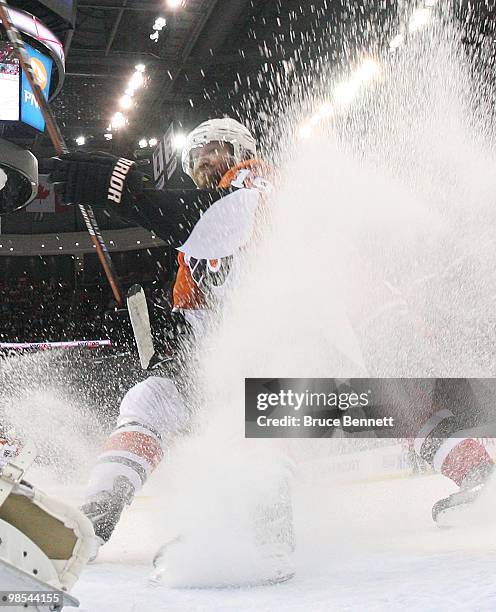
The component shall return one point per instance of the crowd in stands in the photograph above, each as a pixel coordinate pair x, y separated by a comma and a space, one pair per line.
9, 64
55, 311
50, 311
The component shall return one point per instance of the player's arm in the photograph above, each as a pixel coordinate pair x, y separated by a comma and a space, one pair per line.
172, 213
115, 184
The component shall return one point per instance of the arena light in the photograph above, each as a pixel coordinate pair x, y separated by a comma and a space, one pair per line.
345, 93
419, 19
160, 23
143, 143
153, 142
305, 131
108, 136
118, 121
174, 4
368, 70
136, 81
179, 141
80, 141
140, 68
126, 102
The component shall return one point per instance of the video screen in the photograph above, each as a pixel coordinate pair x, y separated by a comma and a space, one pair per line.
9, 83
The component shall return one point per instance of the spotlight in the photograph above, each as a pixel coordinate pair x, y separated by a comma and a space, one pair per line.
143, 143
140, 67
368, 70
159, 24
174, 4
419, 18
305, 131
118, 121
80, 141
153, 142
344, 93
179, 141
108, 136
126, 102
136, 81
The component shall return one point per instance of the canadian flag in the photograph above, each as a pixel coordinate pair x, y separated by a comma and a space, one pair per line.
47, 201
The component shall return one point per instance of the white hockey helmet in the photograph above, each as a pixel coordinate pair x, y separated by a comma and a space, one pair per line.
220, 130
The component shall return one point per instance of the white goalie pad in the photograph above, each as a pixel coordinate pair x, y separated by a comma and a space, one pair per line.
43, 542
19, 577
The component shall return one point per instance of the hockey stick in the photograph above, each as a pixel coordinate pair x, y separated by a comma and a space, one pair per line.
60, 147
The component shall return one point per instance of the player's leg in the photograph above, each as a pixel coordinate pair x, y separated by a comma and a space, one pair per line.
442, 443
151, 413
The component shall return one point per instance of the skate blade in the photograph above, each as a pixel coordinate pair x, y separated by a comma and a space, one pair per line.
474, 513
456, 517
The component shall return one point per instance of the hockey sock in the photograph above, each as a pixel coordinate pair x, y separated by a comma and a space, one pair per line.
454, 457
133, 451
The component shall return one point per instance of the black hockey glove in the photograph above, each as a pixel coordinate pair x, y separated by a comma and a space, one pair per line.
96, 179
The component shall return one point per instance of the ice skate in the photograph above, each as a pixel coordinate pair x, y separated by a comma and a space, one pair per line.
105, 508
458, 509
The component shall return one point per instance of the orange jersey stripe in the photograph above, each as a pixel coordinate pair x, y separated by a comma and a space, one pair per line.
138, 443
186, 293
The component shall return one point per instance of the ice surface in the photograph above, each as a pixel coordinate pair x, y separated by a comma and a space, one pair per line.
360, 547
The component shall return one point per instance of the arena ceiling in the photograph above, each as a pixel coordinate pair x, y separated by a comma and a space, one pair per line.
205, 61
197, 68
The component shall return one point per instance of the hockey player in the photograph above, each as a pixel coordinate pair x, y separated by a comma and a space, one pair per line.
209, 226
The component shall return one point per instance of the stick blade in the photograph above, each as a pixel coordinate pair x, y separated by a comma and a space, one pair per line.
140, 321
